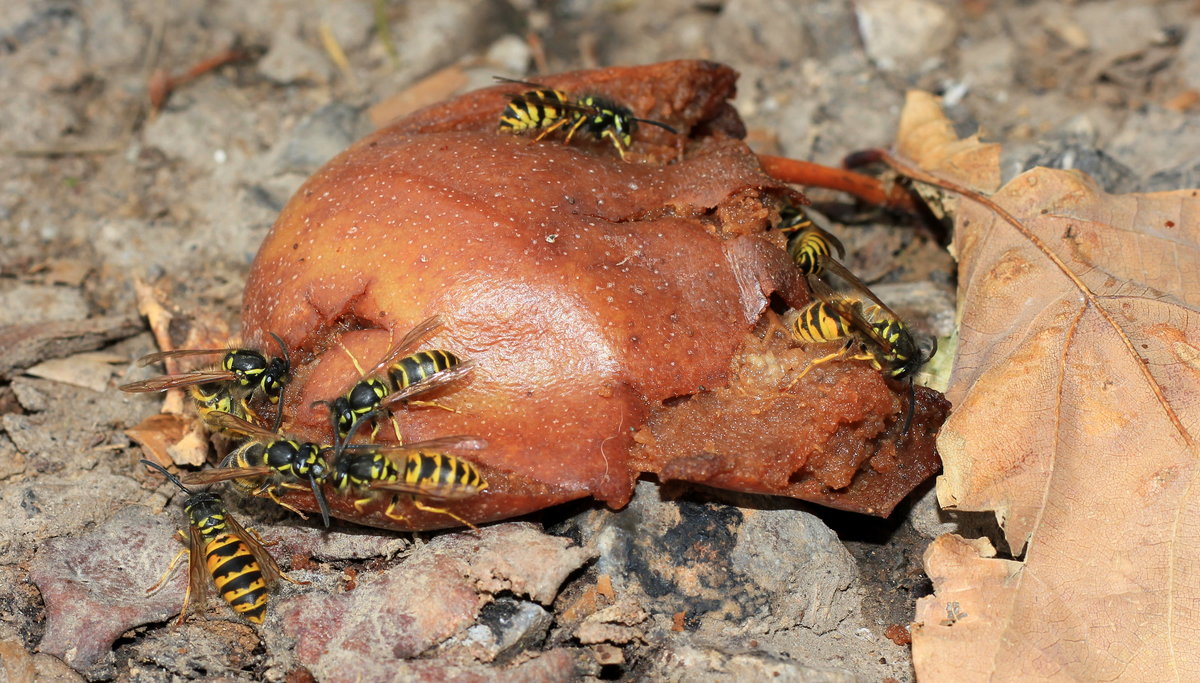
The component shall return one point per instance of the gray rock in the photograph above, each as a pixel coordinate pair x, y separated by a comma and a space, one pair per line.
763, 31
1118, 27
432, 35
318, 137
905, 35
803, 566
1188, 60
988, 64
506, 628
690, 663
291, 60
1155, 139
26, 303
350, 21
196, 650
509, 54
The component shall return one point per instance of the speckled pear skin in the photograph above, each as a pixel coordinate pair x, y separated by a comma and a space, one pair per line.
588, 291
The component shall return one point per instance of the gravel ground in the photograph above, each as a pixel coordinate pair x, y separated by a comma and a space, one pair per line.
97, 189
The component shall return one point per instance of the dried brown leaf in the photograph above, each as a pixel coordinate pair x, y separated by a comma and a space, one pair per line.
156, 434
926, 138
1075, 388
433, 88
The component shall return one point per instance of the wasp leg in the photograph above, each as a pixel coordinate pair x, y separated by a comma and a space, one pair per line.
167, 574
818, 361
574, 127
273, 494
391, 513
428, 508
557, 125
430, 404
615, 141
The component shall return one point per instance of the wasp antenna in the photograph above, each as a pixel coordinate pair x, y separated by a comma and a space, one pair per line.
170, 477
283, 348
358, 422
660, 124
321, 502
912, 401
518, 81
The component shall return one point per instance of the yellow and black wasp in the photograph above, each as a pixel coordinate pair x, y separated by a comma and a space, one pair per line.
422, 469
407, 376
809, 246
547, 109
266, 463
240, 566
246, 369
873, 332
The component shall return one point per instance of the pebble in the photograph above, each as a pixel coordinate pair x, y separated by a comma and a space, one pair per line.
905, 35
509, 54
318, 137
1188, 60
25, 303
291, 60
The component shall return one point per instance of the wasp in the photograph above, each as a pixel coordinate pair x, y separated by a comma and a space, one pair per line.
873, 333
266, 463
246, 369
422, 469
240, 566
547, 109
809, 246
407, 376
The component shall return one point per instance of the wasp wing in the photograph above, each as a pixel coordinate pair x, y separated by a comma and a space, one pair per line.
233, 423
216, 475
160, 356
851, 310
434, 381
400, 349
396, 452
198, 578
186, 379
434, 491
270, 568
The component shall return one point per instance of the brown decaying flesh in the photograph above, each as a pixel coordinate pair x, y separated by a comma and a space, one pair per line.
589, 290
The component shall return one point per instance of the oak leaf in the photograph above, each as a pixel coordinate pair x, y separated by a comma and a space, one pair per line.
1076, 414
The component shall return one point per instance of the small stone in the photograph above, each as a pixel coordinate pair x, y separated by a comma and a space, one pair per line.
506, 628
1117, 27
1154, 139
435, 35
766, 31
988, 64
318, 137
690, 662
350, 21
291, 60
25, 303
802, 565
1188, 59
905, 35
509, 54
424, 600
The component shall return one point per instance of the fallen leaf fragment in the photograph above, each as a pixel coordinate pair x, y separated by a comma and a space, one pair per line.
1076, 415
157, 434
926, 137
